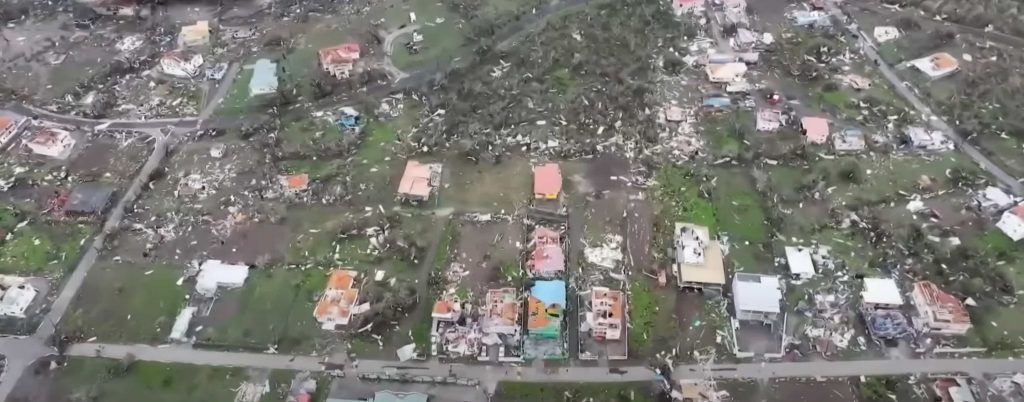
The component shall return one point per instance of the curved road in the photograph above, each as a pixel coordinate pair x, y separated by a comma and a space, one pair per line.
933, 120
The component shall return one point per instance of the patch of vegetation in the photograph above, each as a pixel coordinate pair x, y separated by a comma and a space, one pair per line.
94, 379
237, 101
727, 133
126, 303
563, 81
643, 308
508, 391
41, 248
681, 199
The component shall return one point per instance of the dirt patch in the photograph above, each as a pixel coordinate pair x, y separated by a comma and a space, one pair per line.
484, 249
259, 243
103, 157
606, 171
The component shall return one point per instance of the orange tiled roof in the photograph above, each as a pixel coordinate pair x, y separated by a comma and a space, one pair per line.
339, 296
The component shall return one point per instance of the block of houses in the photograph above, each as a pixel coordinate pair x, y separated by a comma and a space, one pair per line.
547, 181
340, 295
1012, 222
930, 140
757, 297
881, 293
500, 312
992, 200
194, 35
699, 263
547, 258
181, 63
52, 142
849, 140
769, 119
215, 274
339, 61
726, 72
607, 316
546, 309
264, 78
419, 180
801, 265
16, 299
815, 129
937, 65
938, 311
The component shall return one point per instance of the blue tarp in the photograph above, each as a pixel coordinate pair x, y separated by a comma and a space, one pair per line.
549, 292
718, 102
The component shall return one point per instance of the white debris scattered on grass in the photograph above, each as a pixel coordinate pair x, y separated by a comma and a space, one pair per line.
608, 254
251, 391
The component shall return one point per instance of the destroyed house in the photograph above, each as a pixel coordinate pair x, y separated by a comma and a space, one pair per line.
757, 297
699, 263
501, 312
607, 316
419, 180
339, 298
930, 140
992, 200
769, 120
181, 63
545, 309
88, 199
294, 183
547, 259
52, 142
194, 35
938, 311
446, 309
1012, 222
338, 61
547, 181
937, 65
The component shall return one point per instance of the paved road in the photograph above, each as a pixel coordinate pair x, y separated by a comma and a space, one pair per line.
934, 120
110, 124
492, 373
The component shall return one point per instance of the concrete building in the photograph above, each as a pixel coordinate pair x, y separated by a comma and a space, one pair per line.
264, 78
881, 293
335, 306
938, 311
757, 297
699, 262
214, 274
607, 317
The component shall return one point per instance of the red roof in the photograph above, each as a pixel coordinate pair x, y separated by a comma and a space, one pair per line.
547, 179
1018, 210
343, 53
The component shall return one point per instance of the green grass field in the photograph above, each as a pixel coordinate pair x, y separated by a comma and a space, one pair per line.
43, 248
94, 379
443, 34
127, 303
741, 217
508, 391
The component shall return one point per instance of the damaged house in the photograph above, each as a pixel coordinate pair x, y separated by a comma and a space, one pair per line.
419, 180
801, 265
815, 129
937, 65
928, 140
1012, 222
849, 140
699, 263
195, 35
726, 72
769, 119
294, 184
339, 61
51, 142
547, 259
605, 321
991, 200
938, 311
335, 306
680, 7
88, 199
264, 78
757, 297
500, 325
10, 126
545, 313
17, 296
